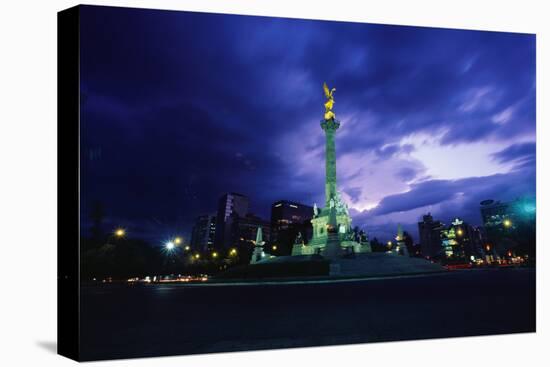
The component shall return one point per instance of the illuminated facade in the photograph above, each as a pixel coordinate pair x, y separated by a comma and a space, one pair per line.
458, 240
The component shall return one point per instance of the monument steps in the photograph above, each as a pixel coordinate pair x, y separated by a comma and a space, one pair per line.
383, 264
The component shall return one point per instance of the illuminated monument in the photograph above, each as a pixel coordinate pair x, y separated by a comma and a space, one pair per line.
333, 238
332, 231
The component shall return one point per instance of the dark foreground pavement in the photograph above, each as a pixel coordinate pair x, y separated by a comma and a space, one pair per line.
119, 321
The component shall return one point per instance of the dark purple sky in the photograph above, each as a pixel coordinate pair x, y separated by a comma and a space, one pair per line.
178, 108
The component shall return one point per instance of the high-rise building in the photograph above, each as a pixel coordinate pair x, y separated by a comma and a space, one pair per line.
203, 234
430, 236
462, 241
290, 216
510, 227
230, 207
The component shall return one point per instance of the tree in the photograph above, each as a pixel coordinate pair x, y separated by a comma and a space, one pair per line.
97, 215
376, 246
409, 243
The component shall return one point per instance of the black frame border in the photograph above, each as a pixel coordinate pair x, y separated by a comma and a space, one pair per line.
68, 183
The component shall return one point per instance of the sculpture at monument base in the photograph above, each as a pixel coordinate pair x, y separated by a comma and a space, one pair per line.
400, 238
341, 232
258, 254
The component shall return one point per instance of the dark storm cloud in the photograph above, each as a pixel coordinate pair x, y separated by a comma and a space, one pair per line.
423, 194
521, 151
458, 197
354, 193
407, 173
179, 108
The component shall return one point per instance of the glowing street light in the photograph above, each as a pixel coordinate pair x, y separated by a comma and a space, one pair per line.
507, 223
177, 240
274, 247
459, 232
214, 255
233, 252
120, 232
197, 256
169, 245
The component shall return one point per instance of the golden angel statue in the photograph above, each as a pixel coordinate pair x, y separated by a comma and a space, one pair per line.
329, 115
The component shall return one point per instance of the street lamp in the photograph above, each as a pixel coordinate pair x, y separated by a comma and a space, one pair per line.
214, 254
507, 223
459, 232
187, 248
119, 232
274, 247
177, 240
169, 245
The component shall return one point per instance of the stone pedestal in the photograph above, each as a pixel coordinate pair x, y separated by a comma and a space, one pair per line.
257, 255
297, 249
332, 247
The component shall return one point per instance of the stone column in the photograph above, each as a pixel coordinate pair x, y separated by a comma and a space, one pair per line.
330, 128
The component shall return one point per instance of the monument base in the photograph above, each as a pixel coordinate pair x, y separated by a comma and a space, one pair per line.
315, 267
332, 248
346, 248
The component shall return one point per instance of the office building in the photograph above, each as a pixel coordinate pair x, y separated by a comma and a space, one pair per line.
230, 207
430, 236
203, 233
290, 216
510, 227
462, 241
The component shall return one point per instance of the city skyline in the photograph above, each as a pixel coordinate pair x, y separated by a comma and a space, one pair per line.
436, 120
